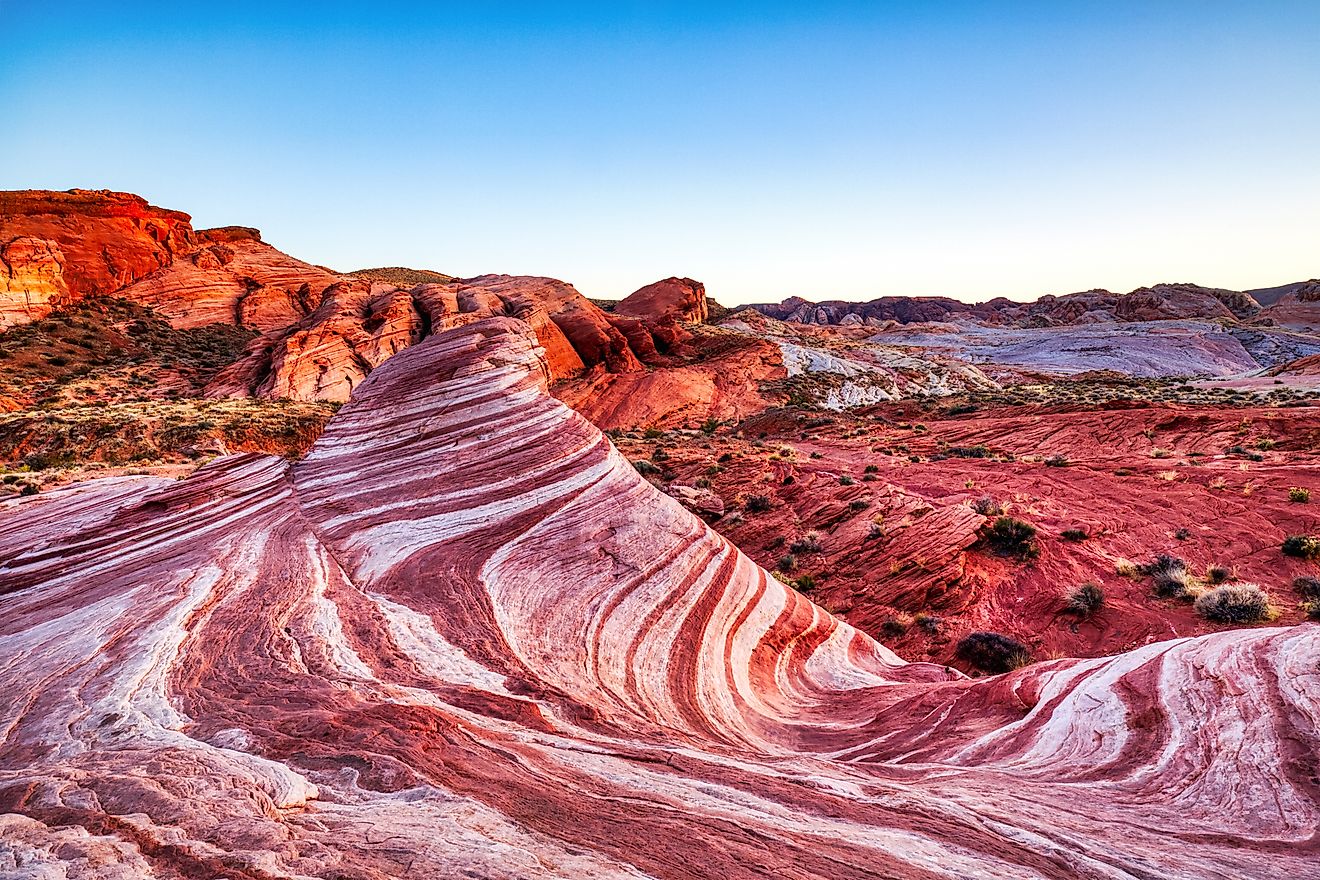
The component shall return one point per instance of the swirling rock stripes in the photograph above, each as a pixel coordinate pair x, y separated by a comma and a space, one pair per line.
463, 638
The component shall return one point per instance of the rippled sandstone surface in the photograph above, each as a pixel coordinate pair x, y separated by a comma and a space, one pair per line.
462, 637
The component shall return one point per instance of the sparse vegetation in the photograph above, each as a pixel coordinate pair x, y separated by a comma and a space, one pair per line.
1234, 603
1085, 600
1057, 460
1307, 587
1170, 576
1218, 574
808, 543
757, 503
1298, 495
1074, 534
894, 628
930, 623
1008, 536
1302, 546
987, 506
992, 652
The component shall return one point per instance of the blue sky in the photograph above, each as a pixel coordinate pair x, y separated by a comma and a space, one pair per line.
822, 150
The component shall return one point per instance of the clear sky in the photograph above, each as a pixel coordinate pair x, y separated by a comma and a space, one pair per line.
823, 150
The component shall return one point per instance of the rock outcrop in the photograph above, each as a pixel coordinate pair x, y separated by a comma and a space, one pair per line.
463, 636
675, 299
58, 247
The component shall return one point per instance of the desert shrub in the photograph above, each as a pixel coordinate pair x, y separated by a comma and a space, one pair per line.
876, 530
1170, 576
1085, 600
962, 409
992, 652
652, 433
1307, 587
757, 503
1234, 603
931, 623
1265, 444
1311, 608
1057, 460
1183, 534
1218, 574
29, 489
710, 426
845, 480
871, 469
987, 506
808, 543
858, 505
1298, 495
1302, 546
968, 451
787, 562
805, 584
644, 467
893, 628
1074, 535
1008, 536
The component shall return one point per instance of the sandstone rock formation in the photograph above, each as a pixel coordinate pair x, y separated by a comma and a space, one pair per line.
463, 636
57, 247
678, 299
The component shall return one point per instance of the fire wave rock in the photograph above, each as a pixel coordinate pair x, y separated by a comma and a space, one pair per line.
463, 638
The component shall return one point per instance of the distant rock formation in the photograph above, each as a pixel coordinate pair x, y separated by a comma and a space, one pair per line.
1160, 302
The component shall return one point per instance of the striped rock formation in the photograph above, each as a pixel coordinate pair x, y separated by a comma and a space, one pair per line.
463, 638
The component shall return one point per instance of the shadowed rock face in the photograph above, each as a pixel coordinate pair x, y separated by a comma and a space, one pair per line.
462, 636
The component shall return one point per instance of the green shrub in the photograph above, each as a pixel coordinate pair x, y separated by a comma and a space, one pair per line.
845, 480
893, 628
805, 584
1234, 603
1218, 574
968, 451
1170, 576
1012, 537
931, 623
1298, 495
644, 467
1302, 546
757, 503
710, 426
992, 652
1074, 535
787, 562
1307, 587
987, 506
